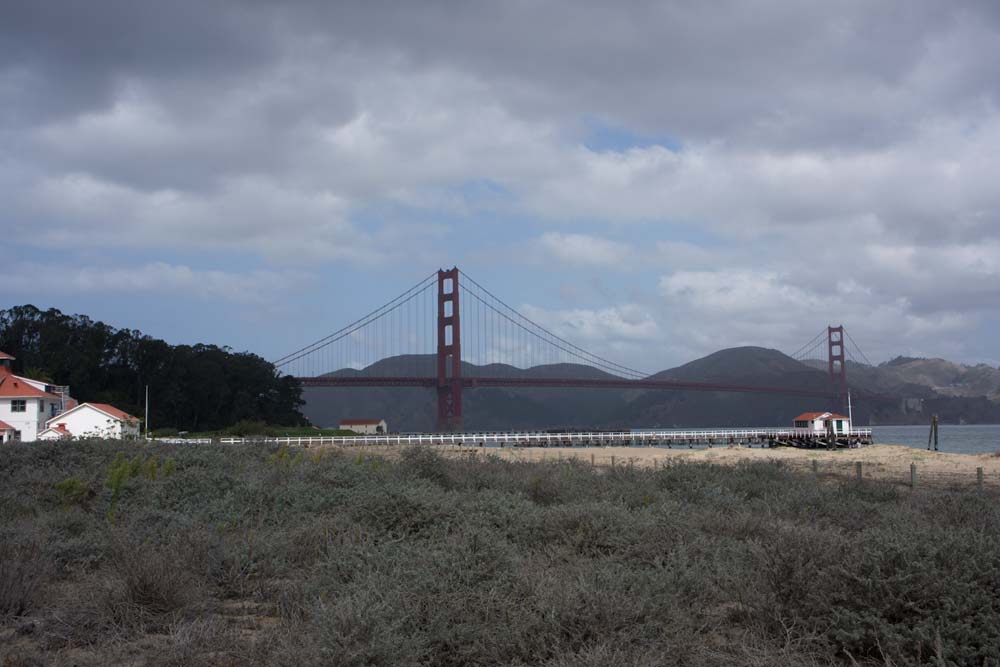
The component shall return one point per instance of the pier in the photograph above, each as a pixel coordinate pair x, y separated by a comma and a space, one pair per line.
739, 437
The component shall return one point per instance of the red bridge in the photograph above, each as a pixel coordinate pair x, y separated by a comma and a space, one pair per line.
405, 343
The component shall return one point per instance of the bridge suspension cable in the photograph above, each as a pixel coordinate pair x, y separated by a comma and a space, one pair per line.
854, 352
553, 348
415, 292
814, 353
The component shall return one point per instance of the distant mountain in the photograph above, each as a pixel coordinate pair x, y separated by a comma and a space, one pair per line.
932, 386
916, 377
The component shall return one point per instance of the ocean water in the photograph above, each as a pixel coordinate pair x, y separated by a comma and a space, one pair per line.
964, 439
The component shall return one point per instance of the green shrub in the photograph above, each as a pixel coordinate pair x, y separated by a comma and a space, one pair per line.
118, 473
151, 468
246, 427
74, 491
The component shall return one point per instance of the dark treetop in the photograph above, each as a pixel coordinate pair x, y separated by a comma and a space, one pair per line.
191, 387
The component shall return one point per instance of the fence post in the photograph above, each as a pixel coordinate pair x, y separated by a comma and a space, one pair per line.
612, 461
979, 478
815, 466
857, 465
591, 460
913, 475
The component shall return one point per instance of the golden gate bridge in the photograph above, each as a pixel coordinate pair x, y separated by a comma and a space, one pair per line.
449, 333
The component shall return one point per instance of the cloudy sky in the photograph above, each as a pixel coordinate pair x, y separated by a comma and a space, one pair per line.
654, 181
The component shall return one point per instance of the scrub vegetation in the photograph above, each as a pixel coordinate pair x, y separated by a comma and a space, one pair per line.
256, 555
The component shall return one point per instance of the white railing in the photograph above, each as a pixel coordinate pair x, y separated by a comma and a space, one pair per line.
528, 439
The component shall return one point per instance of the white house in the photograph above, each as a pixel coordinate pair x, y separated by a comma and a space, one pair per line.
6, 432
818, 422
364, 426
26, 404
92, 420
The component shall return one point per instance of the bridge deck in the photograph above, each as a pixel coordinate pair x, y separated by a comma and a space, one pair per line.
473, 382
741, 436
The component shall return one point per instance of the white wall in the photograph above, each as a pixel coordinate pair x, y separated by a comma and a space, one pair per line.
819, 426
88, 422
29, 422
367, 429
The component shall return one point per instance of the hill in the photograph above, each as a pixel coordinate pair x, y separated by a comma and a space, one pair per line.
957, 393
408, 409
918, 376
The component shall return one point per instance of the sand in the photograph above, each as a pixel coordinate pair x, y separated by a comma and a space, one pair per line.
888, 462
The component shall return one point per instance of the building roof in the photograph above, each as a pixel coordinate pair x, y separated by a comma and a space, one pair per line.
4, 426
58, 428
4, 355
811, 416
360, 422
113, 411
109, 410
12, 386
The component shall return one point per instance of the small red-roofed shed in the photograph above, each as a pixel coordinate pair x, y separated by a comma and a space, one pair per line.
820, 422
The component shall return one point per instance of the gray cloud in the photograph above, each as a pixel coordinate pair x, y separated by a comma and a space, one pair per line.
807, 140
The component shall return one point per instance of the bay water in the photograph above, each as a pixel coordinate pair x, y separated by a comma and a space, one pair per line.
954, 438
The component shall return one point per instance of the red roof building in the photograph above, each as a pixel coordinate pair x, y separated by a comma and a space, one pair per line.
6, 432
821, 422
93, 420
59, 431
25, 404
113, 411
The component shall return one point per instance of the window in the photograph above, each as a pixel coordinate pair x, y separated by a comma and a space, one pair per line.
41, 406
18, 405
17, 436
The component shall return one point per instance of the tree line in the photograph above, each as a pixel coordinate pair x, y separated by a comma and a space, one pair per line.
191, 387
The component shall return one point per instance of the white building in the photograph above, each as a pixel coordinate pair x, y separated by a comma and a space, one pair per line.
364, 426
26, 404
819, 422
92, 420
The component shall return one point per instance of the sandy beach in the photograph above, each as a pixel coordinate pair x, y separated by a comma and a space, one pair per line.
887, 462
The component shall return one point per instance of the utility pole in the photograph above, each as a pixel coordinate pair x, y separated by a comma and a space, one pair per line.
147, 412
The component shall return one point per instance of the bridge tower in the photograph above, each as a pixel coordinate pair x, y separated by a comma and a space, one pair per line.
837, 364
449, 353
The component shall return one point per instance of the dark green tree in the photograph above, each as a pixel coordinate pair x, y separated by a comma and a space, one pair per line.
192, 387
